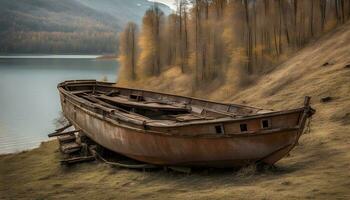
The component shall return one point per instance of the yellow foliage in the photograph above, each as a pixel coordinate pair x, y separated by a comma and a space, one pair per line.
219, 42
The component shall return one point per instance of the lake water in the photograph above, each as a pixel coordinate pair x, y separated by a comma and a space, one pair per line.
29, 100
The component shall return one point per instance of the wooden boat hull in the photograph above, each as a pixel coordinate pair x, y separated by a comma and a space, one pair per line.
267, 146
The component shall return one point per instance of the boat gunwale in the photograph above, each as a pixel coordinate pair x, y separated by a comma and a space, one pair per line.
110, 84
261, 132
201, 122
78, 101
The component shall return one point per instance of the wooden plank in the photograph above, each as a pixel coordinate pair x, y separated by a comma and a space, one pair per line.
66, 138
145, 105
102, 103
80, 92
70, 147
64, 133
95, 100
63, 128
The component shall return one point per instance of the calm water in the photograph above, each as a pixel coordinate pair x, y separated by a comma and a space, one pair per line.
29, 101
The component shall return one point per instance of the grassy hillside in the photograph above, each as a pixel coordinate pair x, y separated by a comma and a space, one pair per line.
318, 168
66, 26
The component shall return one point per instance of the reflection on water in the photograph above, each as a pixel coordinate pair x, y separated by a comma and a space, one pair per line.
29, 100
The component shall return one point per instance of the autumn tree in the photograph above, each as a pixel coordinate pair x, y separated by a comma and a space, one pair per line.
225, 40
128, 51
150, 42
182, 39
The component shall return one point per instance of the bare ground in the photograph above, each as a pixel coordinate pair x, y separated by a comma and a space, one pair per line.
318, 168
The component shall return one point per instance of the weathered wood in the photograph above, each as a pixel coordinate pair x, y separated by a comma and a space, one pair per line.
211, 140
55, 134
81, 92
113, 92
307, 101
69, 148
63, 128
141, 104
95, 100
66, 138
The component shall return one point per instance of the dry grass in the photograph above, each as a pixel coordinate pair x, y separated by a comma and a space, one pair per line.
318, 168
172, 80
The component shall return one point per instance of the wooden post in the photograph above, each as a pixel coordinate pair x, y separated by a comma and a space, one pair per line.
307, 101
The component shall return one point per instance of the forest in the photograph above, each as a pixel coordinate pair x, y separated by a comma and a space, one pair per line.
232, 41
59, 42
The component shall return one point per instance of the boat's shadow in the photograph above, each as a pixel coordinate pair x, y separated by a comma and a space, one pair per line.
291, 164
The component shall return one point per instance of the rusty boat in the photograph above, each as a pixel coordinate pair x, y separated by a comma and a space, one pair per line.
171, 130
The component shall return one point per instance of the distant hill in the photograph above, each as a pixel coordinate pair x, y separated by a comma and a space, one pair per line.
66, 26
123, 10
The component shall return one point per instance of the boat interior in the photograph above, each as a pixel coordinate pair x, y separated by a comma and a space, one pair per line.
151, 106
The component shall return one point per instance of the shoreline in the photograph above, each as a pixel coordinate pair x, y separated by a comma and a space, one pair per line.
59, 56
29, 149
48, 56
107, 57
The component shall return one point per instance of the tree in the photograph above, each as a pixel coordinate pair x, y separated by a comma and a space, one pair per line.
232, 39
128, 50
150, 42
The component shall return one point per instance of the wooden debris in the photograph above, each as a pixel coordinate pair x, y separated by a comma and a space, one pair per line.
66, 138
64, 133
69, 148
60, 130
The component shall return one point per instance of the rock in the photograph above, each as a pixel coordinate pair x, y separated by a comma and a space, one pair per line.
347, 66
325, 64
346, 118
286, 183
326, 99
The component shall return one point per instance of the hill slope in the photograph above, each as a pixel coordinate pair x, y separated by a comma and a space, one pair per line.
318, 168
